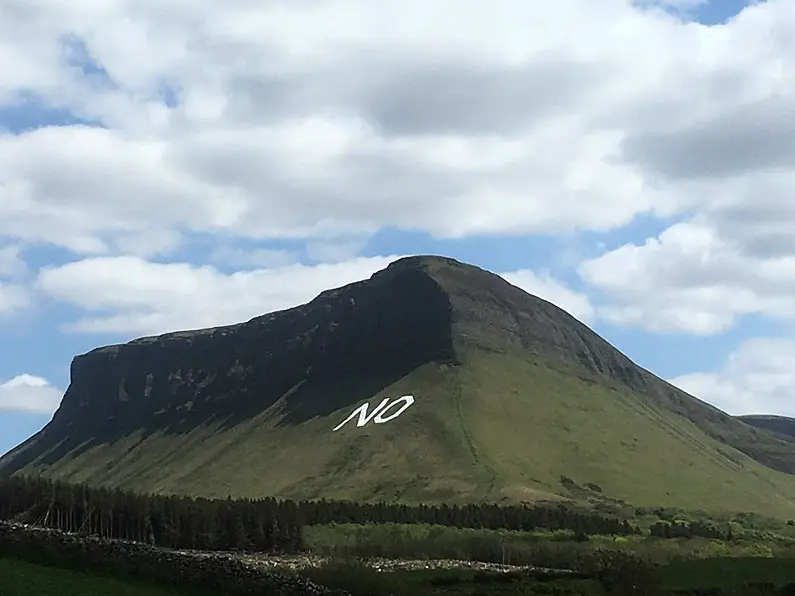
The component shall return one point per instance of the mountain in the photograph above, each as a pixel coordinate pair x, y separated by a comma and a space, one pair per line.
781, 426
512, 399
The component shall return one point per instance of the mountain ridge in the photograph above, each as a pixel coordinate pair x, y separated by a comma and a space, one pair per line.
493, 368
782, 426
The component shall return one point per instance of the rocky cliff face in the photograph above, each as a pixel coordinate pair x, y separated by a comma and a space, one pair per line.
358, 338
345, 345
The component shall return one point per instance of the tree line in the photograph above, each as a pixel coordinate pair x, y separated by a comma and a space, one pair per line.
264, 525
692, 529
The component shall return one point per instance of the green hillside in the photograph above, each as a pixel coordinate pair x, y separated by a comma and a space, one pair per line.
483, 433
514, 401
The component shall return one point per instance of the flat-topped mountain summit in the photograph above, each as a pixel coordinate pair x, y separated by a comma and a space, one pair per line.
443, 382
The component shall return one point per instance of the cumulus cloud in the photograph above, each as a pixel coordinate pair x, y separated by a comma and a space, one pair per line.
11, 265
678, 4
757, 378
27, 393
328, 121
758, 135
734, 258
319, 120
13, 298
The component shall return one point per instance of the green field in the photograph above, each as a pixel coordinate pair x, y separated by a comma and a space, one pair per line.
18, 578
683, 566
727, 572
547, 549
361, 581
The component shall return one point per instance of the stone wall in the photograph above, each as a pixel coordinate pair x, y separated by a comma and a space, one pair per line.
212, 571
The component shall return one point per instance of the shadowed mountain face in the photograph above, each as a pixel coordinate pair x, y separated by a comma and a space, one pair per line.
510, 393
782, 426
341, 348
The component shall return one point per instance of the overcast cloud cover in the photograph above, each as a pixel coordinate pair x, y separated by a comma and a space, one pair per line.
186, 164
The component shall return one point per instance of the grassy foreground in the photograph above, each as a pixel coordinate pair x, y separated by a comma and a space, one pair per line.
362, 581
558, 549
753, 576
716, 577
19, 578
757, 562
727, 573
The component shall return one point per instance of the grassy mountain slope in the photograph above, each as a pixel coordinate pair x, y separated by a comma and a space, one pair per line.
527, 394
491, 437
491, 314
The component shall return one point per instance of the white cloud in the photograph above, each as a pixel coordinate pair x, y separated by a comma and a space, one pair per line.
341, 116
11, 265
544, 286
13, 298
735, 258
26, 393
331, 120
683, 5
757, 378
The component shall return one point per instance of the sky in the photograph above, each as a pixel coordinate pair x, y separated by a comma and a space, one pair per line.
178, 165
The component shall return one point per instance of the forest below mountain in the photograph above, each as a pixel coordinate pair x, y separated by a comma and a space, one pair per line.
267, 525
238, 543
